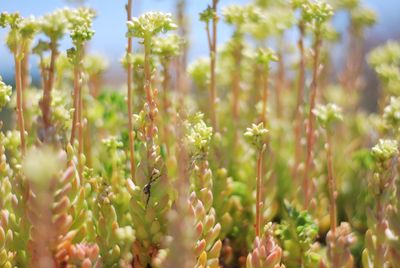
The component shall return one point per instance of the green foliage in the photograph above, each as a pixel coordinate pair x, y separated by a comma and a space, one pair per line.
298, 233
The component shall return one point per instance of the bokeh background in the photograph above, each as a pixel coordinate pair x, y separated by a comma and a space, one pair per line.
109, 39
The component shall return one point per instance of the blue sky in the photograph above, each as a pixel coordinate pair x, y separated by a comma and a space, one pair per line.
110, 24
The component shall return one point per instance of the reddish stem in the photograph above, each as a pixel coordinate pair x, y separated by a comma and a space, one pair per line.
20, 109
213, 58
129, 100
76, 104
45, 103
300, 100
259, 204
331, 185
166, 102
236, 79
265, 78
311, 119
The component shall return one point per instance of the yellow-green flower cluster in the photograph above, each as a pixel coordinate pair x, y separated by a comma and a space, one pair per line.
54, 25
385, 150
150, 24
391, 113
328, 115
317, 12
199, 136
256, 135
167, 46
265, 57
5, 93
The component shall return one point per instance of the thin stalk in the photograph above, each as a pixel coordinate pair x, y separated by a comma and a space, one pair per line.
76, 104
380, 226
25, 80
42, 71
150, 101
80, 132
87, 144
45, 103
331, 184
265, 78
236, 80
311, 118
20, 109
213, 61
147, 78
280, 79
300, 100
259, 204
129, 100
25, 71
165, 85
182, 59
77, 124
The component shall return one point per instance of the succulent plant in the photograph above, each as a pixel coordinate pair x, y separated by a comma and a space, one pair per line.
154, 171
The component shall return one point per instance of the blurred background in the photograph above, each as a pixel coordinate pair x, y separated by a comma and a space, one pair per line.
110, 28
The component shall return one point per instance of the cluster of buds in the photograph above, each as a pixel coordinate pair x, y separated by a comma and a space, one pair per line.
386, 62
316, 12
199, 136
257, 135
22, 30
266, 252
208, 246
150, 24
85, 255
207, 231
339, 244
384, 151
328, 115
6, 238
241, 17
265, 56
167, 47
391, 114
393, 232
380, 186
199, 71
5, 93
80, 27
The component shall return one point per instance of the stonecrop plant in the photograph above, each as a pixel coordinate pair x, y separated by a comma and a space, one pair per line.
257, 155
